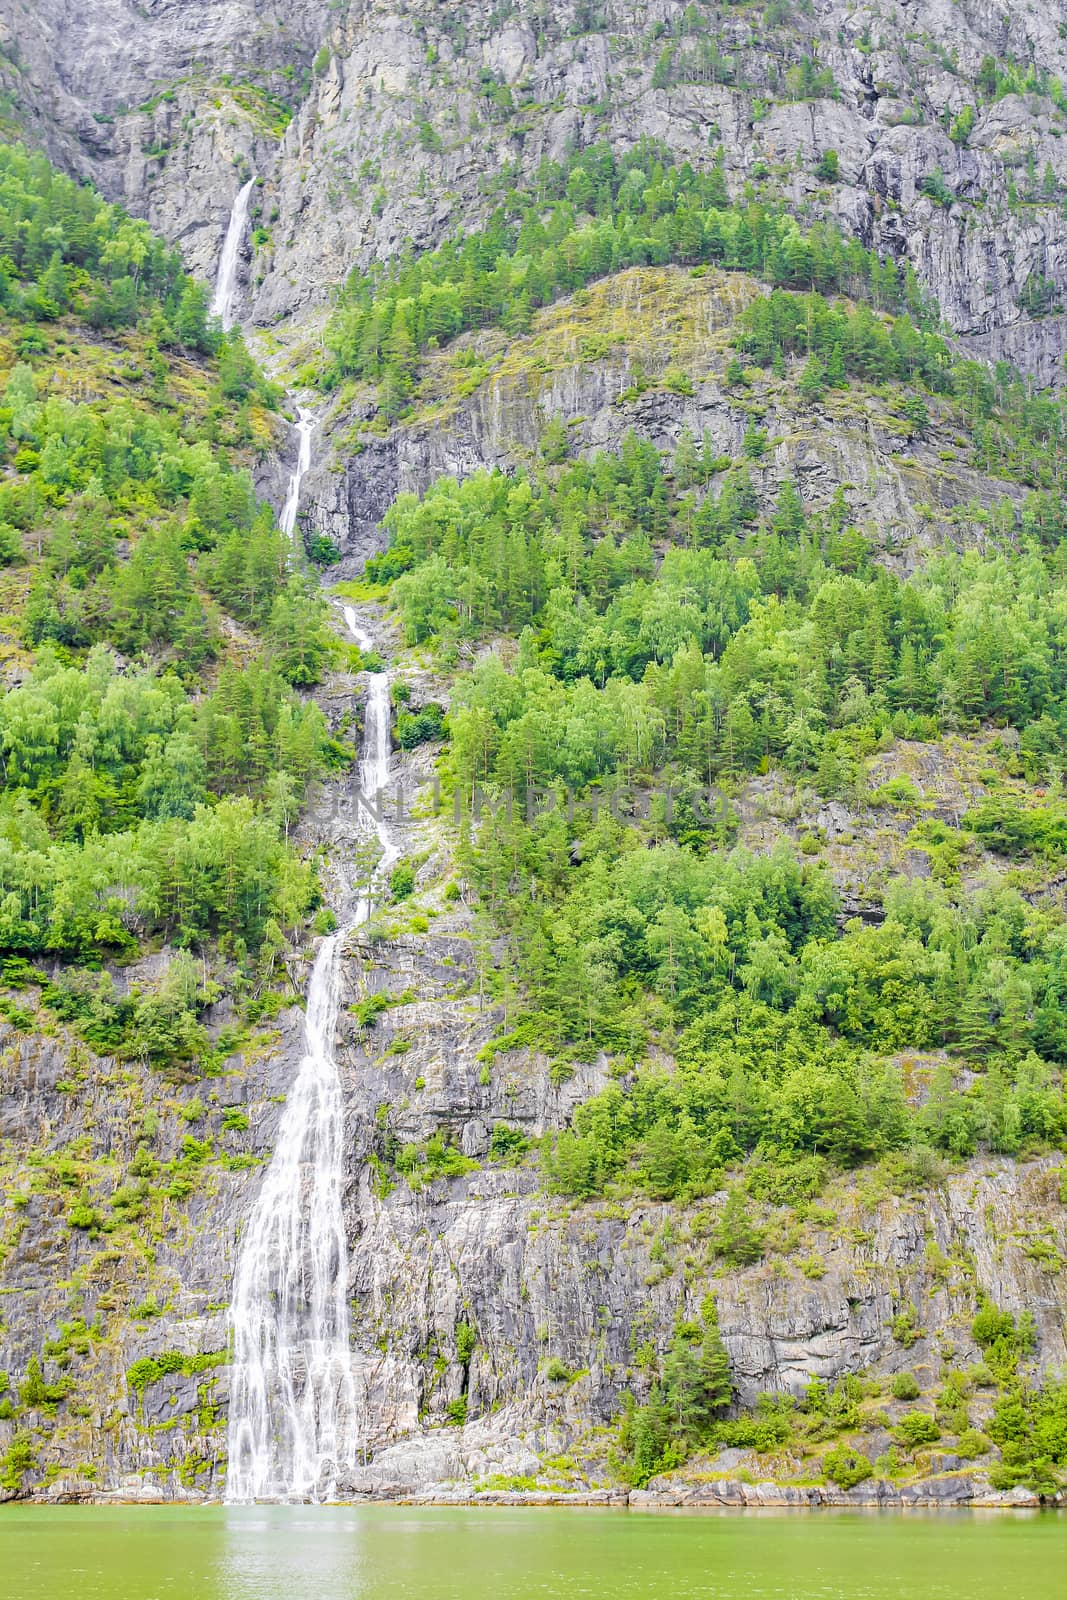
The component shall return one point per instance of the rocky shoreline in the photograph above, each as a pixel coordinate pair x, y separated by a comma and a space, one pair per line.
948, 1493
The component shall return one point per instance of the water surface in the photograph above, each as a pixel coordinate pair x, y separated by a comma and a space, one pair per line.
396, 1553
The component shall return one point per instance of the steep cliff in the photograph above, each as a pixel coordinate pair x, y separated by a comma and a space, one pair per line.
504, 1337
473, 1296
373, 126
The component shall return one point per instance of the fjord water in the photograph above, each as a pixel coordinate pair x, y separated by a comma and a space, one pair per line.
399, 1553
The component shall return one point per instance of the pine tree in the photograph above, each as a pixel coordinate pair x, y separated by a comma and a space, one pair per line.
190, 324
685, 465
836, 376
813, 379
789, 517
736, 1239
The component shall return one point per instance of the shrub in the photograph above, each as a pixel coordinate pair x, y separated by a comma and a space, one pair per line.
846, 1467
962, 126
507, 1144
402, 880
898, 791
142, 1373
149, 1369
990, 1325
17, 1460
144, 1163
1003, 1339
905, 1327
677, 382
82, 1215
390, 564
38, 1394
417, 727
423, 1163
906, 1386
971, 1444
557, 1372
917, 1428
783, 1182
466, 1339
935, 186
322, 550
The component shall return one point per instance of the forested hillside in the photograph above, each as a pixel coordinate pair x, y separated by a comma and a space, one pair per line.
155, 748
658, 635
152, 743
683, 396
638, 647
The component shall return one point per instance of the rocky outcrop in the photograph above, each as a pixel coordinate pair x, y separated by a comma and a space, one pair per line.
373, 126
939, 1493
165, 107
557, 1300
904, 491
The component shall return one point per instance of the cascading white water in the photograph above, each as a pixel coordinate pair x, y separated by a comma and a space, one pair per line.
292, 1395
293, 1421
293, 1416
374, 768
226, 282
305, 427
222, 306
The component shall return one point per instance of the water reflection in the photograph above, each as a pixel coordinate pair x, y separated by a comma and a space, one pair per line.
291, 1552
395, 1553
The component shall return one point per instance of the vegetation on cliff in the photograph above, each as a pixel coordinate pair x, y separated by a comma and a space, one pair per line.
153, 749
583, 218
638, 640
631, 642
671, 639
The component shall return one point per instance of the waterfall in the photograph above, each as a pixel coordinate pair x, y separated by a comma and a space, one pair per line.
374, 768
292, 1397
226, 282
222, 307
305, 427
293, 1420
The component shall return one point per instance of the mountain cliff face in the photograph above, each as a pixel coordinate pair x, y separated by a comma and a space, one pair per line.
510, 1334
374, 125
563, 1301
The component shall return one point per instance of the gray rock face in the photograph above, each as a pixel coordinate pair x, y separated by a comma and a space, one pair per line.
544, 1287
399, 119
901, 491
348, 506
131, 96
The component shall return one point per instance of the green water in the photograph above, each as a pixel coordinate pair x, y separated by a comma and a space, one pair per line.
392, 1553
